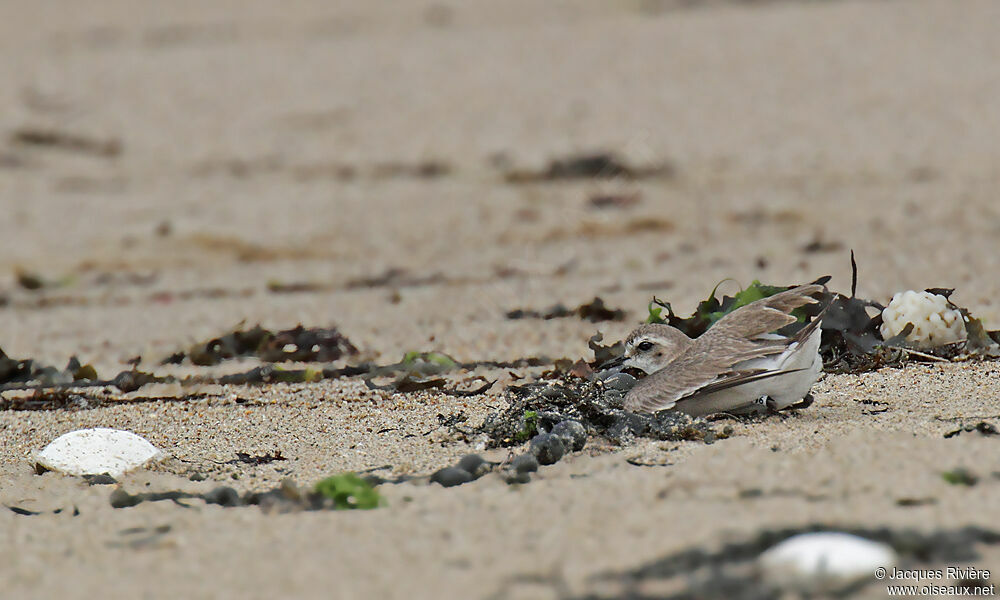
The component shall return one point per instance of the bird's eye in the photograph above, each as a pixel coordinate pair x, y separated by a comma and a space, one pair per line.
645, 346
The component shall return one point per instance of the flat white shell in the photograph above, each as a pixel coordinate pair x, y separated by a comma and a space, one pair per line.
97, 451
824, 561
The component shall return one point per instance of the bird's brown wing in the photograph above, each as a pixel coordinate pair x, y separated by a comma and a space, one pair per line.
765, 315
710, 359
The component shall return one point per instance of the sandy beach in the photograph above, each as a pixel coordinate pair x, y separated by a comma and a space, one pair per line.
169, 173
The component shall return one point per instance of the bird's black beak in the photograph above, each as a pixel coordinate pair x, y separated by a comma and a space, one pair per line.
614, 363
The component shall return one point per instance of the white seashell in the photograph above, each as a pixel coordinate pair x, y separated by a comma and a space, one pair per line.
823, 562
935, 323
97, 451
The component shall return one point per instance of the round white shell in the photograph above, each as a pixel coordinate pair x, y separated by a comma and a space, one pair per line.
934, 322
826, 561
97, 451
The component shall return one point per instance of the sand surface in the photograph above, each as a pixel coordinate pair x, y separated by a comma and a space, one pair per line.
224, 147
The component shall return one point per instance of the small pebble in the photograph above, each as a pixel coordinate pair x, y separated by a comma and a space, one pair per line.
103, 479
223, 496
525, 463
451, 476
273, 501
518, 478
474, 464
547, 448
122, 499
198, 477
621, 382
572, 433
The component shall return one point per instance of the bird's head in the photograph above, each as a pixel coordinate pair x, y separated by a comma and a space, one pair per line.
653, 346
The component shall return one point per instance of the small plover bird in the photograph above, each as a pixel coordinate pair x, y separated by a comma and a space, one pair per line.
736, 366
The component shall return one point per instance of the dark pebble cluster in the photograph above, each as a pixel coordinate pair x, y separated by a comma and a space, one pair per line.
595, 406
546, 448
469, 468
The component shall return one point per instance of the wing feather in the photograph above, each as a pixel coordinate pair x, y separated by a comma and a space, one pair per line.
708, 363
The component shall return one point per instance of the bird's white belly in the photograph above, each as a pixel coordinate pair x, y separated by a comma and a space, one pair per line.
802, 363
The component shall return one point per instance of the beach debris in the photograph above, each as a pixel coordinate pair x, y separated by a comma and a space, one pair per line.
594, 311
53, 138
824, 562
426, 363
274, 374
395, 277
960, 476
52, 299
257, 459
854, 340
603, 354
909, 502
475, 465
572, 433
539, 406
50, 400
451, 476
525, 463
982, 427
529, 426
590, 165
24, 512
126, 278
300, 344
102, 479
622, 382
469, 468
13, 370
860, 335
321, 170
710, 310
121, 499
65, 389
415, 372
851, 340
142, 537
418, 371
980, 342
596, 229
346, 491
30, 280
427, 169
820, 244
934, 322
99, 451
619, 200
130, 381
547, 448
295, 287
